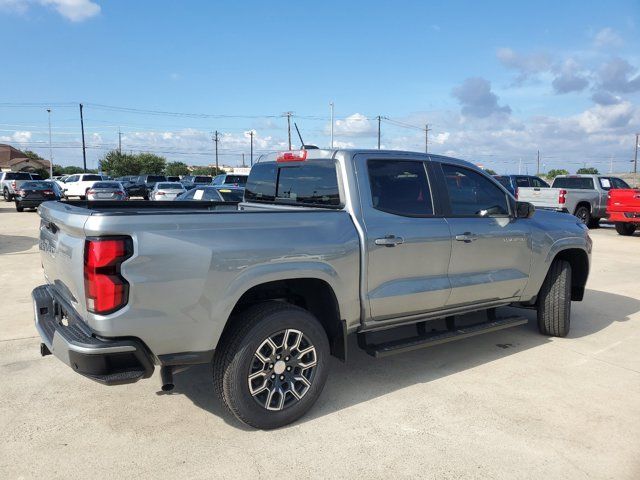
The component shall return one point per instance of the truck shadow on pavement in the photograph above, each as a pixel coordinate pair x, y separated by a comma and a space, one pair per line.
364, 378
16, 243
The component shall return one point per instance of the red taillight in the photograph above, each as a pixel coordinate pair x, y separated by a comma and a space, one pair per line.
105, 288
48, 192
13, 184
22, 193
296, 156
561, 197
91, 192
119, 193
159, 193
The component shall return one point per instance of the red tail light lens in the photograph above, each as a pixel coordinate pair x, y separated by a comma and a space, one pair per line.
48, 192
561, 197
22, 193
105, 288
297, 156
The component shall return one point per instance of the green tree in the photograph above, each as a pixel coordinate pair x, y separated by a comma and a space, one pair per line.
43, 172
588, 170
490, 171
212, 171
553, 173
32, 155
176, 169
72, 170
151, 163
119, 164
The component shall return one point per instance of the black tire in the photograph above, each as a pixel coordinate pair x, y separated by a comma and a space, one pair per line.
594, 223
19, 208
236, 356
82, 197
584, 214
624, 228
6, 195
554, 300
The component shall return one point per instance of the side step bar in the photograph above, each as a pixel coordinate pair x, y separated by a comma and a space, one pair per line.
436, 338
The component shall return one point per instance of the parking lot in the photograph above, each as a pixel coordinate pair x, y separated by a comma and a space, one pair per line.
510, 404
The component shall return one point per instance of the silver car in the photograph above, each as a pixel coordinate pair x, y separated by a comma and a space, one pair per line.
107, 191
166, 191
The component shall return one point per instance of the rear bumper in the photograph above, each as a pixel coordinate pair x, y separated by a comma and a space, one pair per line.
110, 361
32, 203
629, 217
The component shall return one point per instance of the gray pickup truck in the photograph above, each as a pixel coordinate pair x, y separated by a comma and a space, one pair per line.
585, 196
327, 244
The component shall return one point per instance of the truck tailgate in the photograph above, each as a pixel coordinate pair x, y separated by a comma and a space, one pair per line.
624, 201
541, 197
62, 250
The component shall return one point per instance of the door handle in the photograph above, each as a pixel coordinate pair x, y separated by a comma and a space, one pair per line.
467, 237
389, 241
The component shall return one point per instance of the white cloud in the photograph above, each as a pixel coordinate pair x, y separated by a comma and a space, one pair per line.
19, 136
527, 65
569, 78
606, 117
74, 10
356, 125
477, 99
607, 37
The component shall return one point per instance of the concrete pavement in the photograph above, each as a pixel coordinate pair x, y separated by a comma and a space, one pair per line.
511, 404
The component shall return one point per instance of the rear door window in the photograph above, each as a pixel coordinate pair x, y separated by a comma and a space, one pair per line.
400, 187
619, 183
471, 194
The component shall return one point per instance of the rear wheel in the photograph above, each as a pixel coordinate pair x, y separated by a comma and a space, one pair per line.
584, 214
624, 228
554, 300
271, 365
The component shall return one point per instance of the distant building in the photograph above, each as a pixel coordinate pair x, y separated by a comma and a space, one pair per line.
13, 160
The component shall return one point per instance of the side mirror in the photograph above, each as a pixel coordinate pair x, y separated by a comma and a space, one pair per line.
524, 210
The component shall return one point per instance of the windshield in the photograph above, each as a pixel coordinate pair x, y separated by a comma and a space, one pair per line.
236, 179
90, 178
37, 185
229, 195
170, 186
155, 178
202, 179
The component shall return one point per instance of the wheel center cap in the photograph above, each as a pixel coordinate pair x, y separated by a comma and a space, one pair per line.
279, 367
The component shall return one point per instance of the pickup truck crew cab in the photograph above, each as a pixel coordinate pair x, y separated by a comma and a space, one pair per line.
328, 243
585, 196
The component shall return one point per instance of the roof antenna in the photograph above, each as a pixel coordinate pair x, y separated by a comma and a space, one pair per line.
303, 146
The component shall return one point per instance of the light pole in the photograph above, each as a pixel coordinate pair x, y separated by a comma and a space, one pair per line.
635, 161
50, 147
331, 105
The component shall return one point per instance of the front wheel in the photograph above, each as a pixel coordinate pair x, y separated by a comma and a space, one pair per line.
6, 195
554, 300
624, 228
271, 366
19, 208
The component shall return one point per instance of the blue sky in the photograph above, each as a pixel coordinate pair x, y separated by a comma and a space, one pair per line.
496, 81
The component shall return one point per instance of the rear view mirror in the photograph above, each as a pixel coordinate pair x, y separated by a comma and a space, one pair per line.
524, 210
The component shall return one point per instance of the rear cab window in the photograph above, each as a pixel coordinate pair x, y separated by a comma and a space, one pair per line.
91, 178
307, 183
17, 176
583, 183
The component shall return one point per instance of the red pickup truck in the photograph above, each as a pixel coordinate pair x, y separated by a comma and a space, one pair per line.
623, 209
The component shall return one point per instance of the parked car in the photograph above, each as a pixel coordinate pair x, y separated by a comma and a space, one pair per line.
623, 209
327, 244
513, 182
144, 184
166, 191
230, 179
77, 185
190, 181
110, 190
33, 192
585, 196
173, 179
10, 183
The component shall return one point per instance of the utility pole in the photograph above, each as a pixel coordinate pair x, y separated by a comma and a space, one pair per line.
379, 120
288, 114
538, 164
50, 147
331, 105
216, 139
520, 167
635, 161
119, 142
251, 135
84, 151
243, 159
426, 138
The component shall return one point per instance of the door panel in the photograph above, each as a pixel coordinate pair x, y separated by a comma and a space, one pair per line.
491, 251
407, 248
